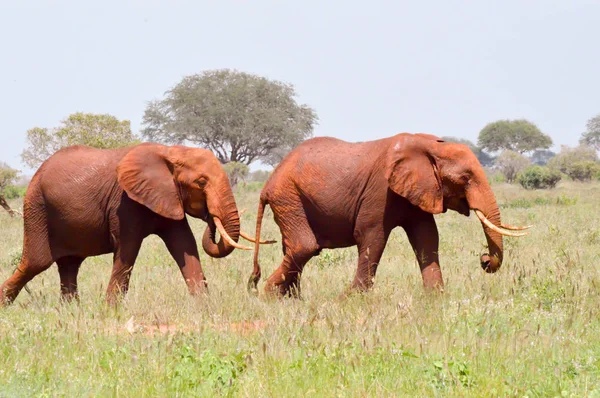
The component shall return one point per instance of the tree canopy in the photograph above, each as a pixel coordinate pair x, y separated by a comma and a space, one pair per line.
241, 117
513, 135
8, 176
591, 137
96, 130
484, 158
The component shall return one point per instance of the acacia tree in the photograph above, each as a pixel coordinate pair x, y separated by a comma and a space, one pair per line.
513, 135
8, 176
95, 130
241, 117
591, 137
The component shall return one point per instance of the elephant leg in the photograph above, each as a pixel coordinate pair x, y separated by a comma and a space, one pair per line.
123, 262
36, 258
180, 242
370, 248
424, 239
25, 272
300, 245
68, 268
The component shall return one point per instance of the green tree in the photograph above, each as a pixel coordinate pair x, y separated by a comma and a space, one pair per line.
513, 135
96, 130
239, 116
568, 159
236, 172
511, 164
591, 137
484, 158
8, 176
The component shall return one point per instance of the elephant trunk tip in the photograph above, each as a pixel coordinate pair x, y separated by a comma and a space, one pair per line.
490, 264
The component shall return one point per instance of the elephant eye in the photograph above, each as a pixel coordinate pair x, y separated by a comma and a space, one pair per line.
201, 182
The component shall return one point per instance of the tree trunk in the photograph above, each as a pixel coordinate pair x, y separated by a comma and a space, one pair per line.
7, 207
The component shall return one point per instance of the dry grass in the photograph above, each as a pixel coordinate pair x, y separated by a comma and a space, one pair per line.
532, 329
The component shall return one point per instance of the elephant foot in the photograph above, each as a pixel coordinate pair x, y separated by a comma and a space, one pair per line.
283, 290
198, 289
69, 297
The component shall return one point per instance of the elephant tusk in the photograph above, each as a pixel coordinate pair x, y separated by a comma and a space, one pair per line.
513, 228
253, 240
227, 238
490, 225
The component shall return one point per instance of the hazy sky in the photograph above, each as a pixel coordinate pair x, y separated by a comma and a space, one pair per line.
369, 69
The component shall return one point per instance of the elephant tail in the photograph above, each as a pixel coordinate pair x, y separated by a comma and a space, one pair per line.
255, 277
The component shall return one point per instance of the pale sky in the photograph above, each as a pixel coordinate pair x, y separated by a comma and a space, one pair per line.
370, 69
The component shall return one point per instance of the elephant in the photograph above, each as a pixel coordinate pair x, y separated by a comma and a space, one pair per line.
328, 193
85, 202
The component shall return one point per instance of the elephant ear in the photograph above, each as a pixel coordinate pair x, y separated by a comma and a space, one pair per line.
412, 173
145, 174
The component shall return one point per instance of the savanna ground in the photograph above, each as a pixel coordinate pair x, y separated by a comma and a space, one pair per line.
532, 329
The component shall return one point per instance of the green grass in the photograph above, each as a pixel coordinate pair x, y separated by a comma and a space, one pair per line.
532, 329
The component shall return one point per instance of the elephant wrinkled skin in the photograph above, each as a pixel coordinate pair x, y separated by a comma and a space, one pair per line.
85, 202
329, 193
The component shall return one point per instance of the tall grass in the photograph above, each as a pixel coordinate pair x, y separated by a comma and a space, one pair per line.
532, 329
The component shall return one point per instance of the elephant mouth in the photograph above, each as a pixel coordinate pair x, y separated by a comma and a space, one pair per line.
459, 205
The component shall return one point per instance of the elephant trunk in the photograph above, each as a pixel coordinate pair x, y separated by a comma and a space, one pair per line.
485, 202
221, 205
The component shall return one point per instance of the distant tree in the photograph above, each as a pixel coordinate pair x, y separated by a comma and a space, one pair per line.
513, 135
484, 158
259, 175
241, 117
8, 176
236, 172
569, 156
511, 163
95, 130
591, 137
579, 163
542, 156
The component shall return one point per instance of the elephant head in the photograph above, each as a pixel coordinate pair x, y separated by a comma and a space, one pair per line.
436, 175
172, 181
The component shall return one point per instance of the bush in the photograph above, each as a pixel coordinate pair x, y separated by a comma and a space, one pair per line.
14, 191
538, 177
569, 156
583, 171
511, 164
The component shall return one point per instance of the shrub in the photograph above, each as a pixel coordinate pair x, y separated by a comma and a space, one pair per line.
583, 171
538, 177
510, 164
14, 191
569, 156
